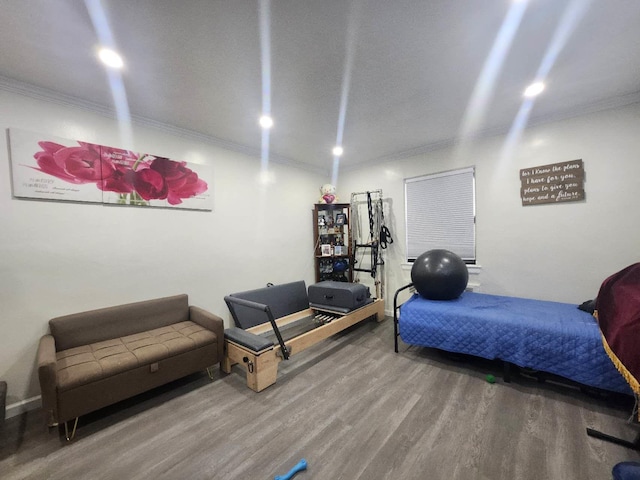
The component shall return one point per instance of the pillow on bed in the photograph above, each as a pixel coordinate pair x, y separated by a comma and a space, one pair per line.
589, 306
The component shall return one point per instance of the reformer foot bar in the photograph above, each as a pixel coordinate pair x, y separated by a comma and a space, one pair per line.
260, 357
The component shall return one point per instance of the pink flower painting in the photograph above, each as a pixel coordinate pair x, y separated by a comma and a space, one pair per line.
124, 177
71, 164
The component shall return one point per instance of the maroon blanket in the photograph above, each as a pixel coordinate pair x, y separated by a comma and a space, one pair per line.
618, 314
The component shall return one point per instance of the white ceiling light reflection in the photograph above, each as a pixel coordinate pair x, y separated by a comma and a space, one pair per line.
266, 122
337, 151
266, 177
534, 89
110, 58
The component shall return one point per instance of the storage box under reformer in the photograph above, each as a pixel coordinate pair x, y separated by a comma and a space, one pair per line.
338, 296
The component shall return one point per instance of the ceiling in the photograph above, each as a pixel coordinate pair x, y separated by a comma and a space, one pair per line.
405, 71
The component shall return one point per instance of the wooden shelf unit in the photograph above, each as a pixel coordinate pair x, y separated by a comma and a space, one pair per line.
333, 256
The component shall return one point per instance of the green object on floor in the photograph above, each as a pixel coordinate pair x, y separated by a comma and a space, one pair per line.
490, 378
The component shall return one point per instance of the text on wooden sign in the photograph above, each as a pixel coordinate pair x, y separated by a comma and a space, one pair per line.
558, 182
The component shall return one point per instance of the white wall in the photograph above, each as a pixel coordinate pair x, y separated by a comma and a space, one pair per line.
559, 252
60, 258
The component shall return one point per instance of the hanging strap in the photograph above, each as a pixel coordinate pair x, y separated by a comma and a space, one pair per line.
385, 234
385, 237
370, 208
374, 241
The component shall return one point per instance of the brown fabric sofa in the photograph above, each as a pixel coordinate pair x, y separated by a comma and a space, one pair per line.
96, 358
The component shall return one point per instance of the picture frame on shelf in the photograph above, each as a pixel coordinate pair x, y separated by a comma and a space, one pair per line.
341, 219
338, 250
325, 250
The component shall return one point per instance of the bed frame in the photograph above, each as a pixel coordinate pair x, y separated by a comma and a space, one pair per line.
256, 353
548, 338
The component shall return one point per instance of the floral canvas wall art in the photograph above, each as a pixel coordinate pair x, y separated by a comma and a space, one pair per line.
46, 167
51, 168
143, 179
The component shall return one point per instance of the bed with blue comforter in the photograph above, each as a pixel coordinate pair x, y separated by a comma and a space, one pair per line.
553, 337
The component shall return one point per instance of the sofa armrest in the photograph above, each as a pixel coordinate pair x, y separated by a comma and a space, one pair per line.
211, 322
48, 377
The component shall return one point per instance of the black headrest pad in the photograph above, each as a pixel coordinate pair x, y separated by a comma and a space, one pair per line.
282, 299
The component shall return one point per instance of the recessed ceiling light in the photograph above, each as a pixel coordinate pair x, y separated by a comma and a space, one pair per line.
337, 151
266, 121
534, 89
110, 58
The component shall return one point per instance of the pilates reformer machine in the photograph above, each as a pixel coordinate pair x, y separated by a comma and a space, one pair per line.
276, 322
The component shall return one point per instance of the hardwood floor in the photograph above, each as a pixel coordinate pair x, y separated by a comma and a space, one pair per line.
352, 408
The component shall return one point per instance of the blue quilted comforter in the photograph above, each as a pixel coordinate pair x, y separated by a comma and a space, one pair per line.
549, 336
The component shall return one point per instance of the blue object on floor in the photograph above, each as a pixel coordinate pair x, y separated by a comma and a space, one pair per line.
626, 471
300, 466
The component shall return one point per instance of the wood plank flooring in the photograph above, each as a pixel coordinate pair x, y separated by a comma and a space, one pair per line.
352, 408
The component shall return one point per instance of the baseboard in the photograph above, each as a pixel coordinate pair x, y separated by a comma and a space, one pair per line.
26, 405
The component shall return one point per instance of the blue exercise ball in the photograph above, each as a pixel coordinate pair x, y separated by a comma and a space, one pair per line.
439, 275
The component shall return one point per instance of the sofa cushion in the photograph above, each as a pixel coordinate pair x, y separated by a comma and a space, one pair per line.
103, 324
87, 363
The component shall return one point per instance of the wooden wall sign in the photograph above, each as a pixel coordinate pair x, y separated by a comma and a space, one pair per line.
555, 183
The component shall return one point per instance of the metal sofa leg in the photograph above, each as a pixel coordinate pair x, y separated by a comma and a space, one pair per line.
73, 432
210, 372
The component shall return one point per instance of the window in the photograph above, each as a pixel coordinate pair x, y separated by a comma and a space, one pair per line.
440, 213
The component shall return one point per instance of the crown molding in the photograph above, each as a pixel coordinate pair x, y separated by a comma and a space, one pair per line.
40, 93
51, 96
586, 109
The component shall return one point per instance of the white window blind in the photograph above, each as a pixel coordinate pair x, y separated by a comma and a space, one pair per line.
440, 213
